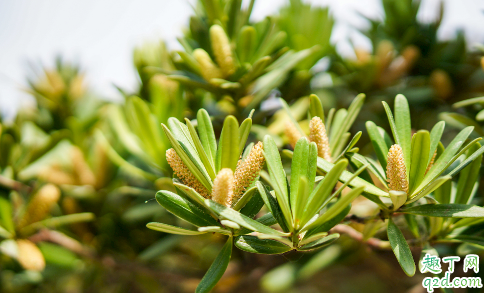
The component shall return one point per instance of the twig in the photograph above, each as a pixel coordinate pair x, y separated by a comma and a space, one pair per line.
373, 242
13, 184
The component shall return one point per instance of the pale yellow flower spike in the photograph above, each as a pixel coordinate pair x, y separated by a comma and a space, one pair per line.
40, 204
222, 50
184, 174
396, 171
247, 170
317, 134
292, 134
208, 69
223, 187
29, 255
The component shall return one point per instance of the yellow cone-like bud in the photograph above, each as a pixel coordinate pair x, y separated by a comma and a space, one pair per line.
222, 50
208, 68
29, 255
182, 171
317, 134
292, 134
81, 170
223, 187
441, 83
396, 171
40, 205
247, 170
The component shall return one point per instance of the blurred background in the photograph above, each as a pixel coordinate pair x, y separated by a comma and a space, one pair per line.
84, 86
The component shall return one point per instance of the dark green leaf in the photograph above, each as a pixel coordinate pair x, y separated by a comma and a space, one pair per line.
217, 269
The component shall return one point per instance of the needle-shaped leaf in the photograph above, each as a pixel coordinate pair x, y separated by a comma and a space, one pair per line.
446, 210
420, 156
254, 244
184, 209
400, 248
172, 229
241, 219
207, 136
217, 269
404, 129
228, 150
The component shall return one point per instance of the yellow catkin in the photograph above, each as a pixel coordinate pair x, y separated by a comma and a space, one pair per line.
441, 83
317, 134
223, 187
182, 171
208, 69
431, 164
396, 170
292, 134
222, 50
29, 255
248, 169
40, 204
81, 170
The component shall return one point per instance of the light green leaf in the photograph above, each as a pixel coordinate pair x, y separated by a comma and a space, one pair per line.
404, 129
378, 143
273, 206
393, 127
349, 119
420, 157
244, 131
315, 107
400, 248
228, 150
207, 136
191, 193
435, 135
319, 243
241, 219
299, 167
209, 167
184, 209
172, 229
217, 269
253, 244
245, 198
468, 177
431, 187
446, 210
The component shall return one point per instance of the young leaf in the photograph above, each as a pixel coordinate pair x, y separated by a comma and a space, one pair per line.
400, 248
299, 167
253, 244
315, 107
172, 229
244, 131
404, 129
393, 127
207, 136
228, 151
446, 210
468, 177
217, 269
201, 151
435, 135
320, 243
184, 209
420, 156
273, 206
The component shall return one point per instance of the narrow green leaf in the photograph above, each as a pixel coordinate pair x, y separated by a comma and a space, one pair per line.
468, 177
241, 219
429, 188
217, 269
273, 206
187, 160
278, 177
444, 192
473, 239
207, 136
400, 248
228, 151
349, 146
336, 209
445, 158
349, 119
191, 193
253, 244
420, 157
446, 210
393, 127
320, 243
322, 191
252, 208
326, 226
172, 229
299, 167
315, 107
467, 161
435, 136
244, 131
245, 198
6, 215
184, 209
201, 151
404, 129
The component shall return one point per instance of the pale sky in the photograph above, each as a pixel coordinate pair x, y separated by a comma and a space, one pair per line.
101, 35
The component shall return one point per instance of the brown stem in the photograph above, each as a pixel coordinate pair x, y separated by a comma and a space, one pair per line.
13, 184
358, 236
